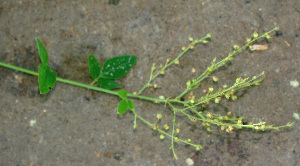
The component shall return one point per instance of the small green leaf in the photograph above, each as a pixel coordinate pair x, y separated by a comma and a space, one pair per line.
46, 78
94, 67
117, 67
130, 104
108, 84
122, 94
42, 51
122, 107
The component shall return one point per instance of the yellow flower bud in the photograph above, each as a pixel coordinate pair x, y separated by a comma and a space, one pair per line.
255, 34
159, 116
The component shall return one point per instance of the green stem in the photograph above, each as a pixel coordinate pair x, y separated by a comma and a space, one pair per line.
158, 73
19, 69
173, 129
168, 64
219, 64
161, 131
89, 86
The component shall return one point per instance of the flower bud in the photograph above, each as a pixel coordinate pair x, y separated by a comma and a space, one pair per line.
234, 97
239, 122
198, 147
229, 113
159, 116
227, 96
236, 47
155, 126
188, 83
192, 46
215, 78
211, 89
166, 127
251, 48
209, 129
248, 40
176, 139
223, 127
209, 115
168, 60
204, 41
217, 100
255, 34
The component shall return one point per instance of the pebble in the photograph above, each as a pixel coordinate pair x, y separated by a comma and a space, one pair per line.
189, 161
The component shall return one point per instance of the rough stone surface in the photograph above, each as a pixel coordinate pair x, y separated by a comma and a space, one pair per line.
76, 126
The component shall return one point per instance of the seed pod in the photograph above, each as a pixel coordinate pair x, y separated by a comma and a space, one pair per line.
217, 100
176, 139
166, 127
155, 126
159, 116
211, 89
198, 147
215, 78
255, 34
234, 97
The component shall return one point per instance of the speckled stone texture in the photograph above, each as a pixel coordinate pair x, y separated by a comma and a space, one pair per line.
76, 126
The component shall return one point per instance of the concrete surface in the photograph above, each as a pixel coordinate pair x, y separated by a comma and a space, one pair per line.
75, 126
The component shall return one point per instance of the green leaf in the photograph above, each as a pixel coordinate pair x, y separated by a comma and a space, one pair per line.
46, 78
108, 84
117, 67
122, 107
122, 94
94, 67
130, 104
42, 51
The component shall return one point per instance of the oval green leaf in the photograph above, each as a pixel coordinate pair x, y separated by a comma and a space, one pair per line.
46, 78
122, 107
117, 67
122, 94
130, 104
42, 51
94, 67
108, 84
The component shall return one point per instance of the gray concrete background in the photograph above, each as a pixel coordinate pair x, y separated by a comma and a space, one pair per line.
76, 126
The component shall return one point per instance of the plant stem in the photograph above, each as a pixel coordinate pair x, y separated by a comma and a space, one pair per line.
152, 77
161, 131
19, 69
172, 146
214, 67
89, 86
